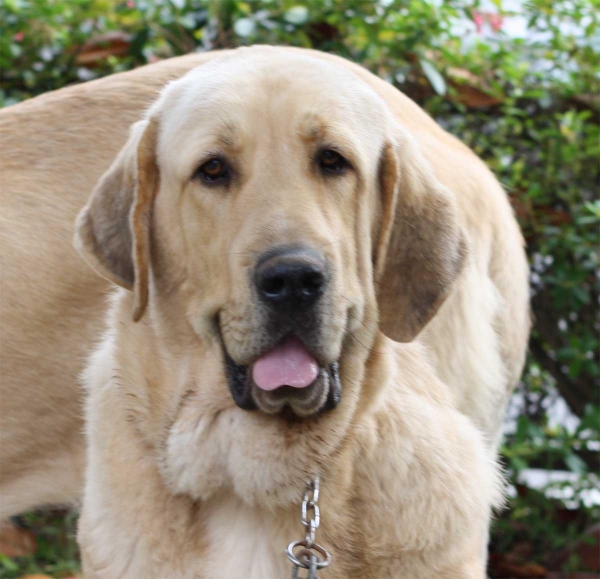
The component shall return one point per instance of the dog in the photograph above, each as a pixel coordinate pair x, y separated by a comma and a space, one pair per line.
258, 219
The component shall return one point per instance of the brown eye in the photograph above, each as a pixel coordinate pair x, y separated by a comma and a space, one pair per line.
332, 162
213, 171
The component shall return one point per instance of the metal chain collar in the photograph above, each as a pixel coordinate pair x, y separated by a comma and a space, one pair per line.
308, 554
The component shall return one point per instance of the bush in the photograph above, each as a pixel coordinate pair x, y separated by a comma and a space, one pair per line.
527, 102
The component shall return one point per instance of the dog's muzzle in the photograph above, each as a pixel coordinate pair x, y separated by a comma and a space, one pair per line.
289, 282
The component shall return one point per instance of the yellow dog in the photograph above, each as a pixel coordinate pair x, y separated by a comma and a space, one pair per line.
272, 211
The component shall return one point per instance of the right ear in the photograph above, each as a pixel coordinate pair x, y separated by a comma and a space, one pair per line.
112, 231
422, 246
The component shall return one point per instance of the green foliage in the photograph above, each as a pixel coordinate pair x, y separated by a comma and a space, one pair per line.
57, 552
527, 104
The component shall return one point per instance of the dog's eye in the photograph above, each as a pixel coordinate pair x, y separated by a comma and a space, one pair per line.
213, 171
332, 162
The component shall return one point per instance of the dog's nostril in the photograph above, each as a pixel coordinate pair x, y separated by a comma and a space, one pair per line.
312, 282
273, 285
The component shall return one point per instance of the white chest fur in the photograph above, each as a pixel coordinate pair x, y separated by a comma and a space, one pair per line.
247, 542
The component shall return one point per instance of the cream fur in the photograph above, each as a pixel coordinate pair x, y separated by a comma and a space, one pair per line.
408, 493
475, 344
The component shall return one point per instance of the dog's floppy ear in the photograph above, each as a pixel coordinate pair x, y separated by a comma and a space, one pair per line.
113, 230
422, 247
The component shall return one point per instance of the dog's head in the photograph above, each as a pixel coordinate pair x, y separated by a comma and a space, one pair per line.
262, 209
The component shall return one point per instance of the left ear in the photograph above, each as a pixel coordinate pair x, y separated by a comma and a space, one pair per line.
422, 247
112, 231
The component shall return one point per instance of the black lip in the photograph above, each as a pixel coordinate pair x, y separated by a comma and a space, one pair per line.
237, 378
335, 388
241, 387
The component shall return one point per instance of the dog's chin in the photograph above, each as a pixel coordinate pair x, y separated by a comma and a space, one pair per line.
290, 403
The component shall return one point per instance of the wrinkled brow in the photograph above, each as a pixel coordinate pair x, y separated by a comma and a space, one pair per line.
227, 134
315, 126
316, 130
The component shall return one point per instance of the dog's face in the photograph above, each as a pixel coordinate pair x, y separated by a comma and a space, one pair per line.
276, 175
255, 212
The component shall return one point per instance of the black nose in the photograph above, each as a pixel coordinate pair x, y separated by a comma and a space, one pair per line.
290, 279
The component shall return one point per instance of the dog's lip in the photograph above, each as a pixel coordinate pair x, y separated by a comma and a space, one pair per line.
237, 378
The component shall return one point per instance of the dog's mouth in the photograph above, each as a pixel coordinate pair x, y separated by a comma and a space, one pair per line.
285, 380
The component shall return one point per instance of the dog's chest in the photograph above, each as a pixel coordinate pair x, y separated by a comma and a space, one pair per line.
247, 542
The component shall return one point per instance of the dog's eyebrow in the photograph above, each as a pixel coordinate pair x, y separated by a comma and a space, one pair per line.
227, 140
312, 131
315, 128
325, 135
227, 135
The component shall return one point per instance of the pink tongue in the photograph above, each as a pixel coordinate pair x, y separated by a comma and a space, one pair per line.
288, 364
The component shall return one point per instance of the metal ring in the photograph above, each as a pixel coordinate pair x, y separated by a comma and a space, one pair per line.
310, 534
324, 558
316, 512
315, 484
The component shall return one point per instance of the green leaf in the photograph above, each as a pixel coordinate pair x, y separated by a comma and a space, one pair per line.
518, 464
7, 564
297, 15
575, 463
244, 27
434, 77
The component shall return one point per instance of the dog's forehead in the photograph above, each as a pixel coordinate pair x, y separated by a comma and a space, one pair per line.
248, 92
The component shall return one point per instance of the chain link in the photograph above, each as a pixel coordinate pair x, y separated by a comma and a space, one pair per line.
308, 554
